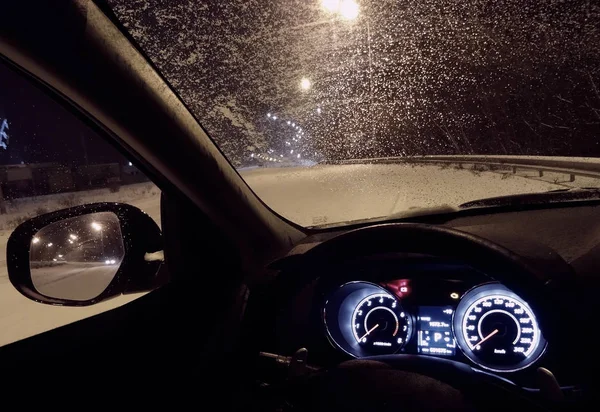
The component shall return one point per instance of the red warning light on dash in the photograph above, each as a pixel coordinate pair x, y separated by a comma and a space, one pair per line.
400, 287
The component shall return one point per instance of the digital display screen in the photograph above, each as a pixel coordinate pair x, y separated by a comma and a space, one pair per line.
434, 328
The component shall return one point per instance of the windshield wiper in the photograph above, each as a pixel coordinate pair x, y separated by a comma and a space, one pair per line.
552, 196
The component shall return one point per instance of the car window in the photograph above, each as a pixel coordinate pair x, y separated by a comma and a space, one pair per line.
327, 107
50, 160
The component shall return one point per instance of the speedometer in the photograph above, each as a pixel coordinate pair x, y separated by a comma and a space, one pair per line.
496, 329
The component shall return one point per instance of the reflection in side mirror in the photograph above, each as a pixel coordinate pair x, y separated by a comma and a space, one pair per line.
77, 258
86, 254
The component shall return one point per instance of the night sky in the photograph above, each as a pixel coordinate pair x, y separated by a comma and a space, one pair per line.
41, 130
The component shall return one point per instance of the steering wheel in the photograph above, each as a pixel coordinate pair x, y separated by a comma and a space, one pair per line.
411, 382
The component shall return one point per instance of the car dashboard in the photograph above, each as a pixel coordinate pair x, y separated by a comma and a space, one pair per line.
420, 306
442, 308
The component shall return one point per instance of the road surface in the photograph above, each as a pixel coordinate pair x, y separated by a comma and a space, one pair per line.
73, 280
330, 194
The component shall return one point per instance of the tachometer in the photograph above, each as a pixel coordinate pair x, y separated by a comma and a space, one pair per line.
379, 324
496, 329
364, 319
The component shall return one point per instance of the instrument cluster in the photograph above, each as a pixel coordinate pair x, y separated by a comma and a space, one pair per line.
484, 324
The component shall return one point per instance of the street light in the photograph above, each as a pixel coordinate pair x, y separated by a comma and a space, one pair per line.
98, 228
349, 9
305, 83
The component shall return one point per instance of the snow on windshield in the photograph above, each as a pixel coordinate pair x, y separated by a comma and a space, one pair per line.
295, 83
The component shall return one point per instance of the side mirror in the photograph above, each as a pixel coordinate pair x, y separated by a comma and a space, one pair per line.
86, 254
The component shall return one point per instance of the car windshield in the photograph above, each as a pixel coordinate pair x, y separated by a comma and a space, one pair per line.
342, 110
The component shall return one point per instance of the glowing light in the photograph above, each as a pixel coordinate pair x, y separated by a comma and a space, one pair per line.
54, 260
268, 114
72, 236
130, 164
112, 261
252, 155
107, 262
292, 151
50, 244
60, 256
454, 295
96, 226
70, 241
305, 84
330, 5
274, 117
35, 240
349, 9
293, 124
298, 156
318, 110
288, 122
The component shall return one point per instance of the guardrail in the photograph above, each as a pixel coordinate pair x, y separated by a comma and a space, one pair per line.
588, 167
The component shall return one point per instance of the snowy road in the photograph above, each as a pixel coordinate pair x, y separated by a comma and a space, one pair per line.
330, 194
310, 196
72, 280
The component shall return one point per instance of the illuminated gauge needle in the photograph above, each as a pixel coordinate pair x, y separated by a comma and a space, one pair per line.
371, 330
486, 338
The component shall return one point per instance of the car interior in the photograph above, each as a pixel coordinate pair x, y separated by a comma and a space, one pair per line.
250, 310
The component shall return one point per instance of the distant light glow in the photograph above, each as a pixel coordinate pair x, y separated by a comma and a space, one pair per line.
349, 9
130, 164
274, 117
454, 295
70, 241
112, 261
35, 240
318, 110
298, 156
72, 236
331, 5
96, 226
292, 151
54, 260
268, 114
107, 262
252, 155
293, 124
50, 244
288, 122
60, 256
305, 84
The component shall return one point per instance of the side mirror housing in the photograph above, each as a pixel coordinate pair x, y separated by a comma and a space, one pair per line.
85, 254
